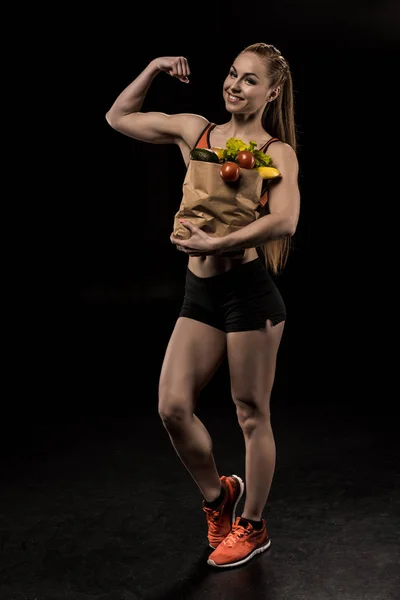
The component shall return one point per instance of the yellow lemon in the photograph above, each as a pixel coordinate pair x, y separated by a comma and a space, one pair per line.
268, 172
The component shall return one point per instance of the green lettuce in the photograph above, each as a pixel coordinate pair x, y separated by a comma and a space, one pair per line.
234, 146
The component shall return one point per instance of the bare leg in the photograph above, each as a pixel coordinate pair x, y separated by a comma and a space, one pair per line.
194, 353
260, 467
252, 361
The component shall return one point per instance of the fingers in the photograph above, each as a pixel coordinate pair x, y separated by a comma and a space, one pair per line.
180, 69
184, 72
191, 252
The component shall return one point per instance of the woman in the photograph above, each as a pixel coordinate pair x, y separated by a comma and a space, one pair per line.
231, 304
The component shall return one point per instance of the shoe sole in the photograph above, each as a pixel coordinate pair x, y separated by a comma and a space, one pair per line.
244, 560
241, 484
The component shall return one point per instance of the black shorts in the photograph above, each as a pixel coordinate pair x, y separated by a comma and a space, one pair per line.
241, 299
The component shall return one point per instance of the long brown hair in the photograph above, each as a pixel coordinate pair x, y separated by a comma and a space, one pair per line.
278, 120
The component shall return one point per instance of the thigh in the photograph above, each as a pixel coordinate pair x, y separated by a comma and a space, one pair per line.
193, 355
250, 299
252, 363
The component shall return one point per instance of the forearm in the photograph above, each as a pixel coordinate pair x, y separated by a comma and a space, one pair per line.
269, 227
131, 98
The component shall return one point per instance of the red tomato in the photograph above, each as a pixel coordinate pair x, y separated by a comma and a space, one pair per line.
229, 171
246, 159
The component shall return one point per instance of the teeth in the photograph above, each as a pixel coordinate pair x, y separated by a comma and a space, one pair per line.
233, 98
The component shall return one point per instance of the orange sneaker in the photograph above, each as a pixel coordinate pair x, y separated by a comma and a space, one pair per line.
220, 520
242, 543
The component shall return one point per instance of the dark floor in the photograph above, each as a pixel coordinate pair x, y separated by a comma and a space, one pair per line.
96, 505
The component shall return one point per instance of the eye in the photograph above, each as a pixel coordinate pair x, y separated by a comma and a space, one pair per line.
232, 74
250, 80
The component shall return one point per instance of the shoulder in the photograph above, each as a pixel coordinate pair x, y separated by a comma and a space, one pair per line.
191, 126
282, 149
284, 157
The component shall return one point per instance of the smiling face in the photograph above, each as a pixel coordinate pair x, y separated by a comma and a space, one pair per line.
246, 87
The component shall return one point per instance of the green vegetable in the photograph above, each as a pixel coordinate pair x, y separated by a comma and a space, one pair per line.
234, 146
203, 154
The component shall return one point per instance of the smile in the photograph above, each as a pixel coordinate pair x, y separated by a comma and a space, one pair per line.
233, 98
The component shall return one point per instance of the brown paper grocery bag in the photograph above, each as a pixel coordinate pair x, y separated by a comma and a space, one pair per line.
214, 205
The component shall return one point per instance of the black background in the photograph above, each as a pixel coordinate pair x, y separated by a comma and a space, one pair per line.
101, 285
342, 60
106, 284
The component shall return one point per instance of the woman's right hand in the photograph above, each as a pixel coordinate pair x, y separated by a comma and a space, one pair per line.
176, 66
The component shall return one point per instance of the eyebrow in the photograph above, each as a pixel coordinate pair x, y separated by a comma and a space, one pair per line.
232, 67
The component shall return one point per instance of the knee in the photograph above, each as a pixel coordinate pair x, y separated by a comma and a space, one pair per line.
172, 416
173, 410
250, 416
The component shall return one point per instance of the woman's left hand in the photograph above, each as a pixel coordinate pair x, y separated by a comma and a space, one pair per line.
199, 244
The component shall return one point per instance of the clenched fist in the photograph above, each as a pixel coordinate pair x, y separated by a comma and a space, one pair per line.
176, 66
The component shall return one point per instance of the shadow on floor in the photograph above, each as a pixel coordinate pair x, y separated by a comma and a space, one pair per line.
103, 508
95, 504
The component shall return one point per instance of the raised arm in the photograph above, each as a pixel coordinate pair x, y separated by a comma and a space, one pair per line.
126, 117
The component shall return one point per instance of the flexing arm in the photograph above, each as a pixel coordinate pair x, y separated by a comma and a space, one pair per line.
153, 127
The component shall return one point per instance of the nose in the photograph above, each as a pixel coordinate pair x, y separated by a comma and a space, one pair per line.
235, 87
